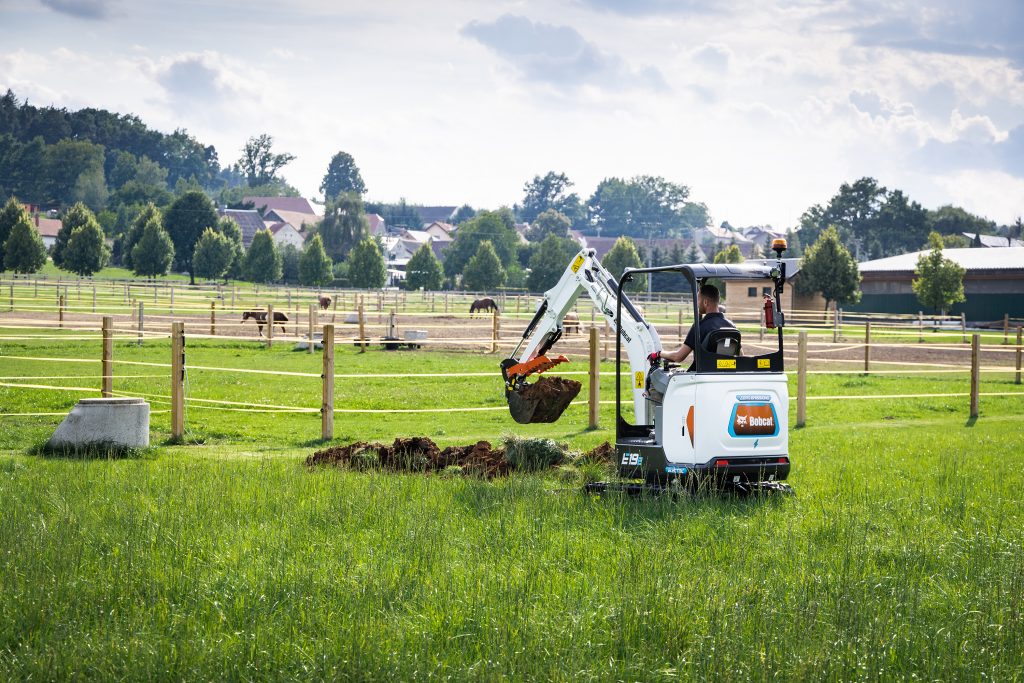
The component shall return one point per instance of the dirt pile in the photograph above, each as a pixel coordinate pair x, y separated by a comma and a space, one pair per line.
421, 454
543, 401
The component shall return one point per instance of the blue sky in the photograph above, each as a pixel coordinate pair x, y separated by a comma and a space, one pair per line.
762, 108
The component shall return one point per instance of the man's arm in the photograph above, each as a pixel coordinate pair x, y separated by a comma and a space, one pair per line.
677, 356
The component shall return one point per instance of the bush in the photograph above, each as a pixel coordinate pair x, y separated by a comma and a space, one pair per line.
532, 455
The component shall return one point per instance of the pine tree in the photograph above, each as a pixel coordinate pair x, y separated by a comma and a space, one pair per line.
263, 261
24, 251
133, 234
344, 225
829, 268
229, 228
86, 253
938, 281
423, 270
10, 216
622, 255
77, 216
153, 251
549, 261
484, 270
213, 255
366, 267
315, 266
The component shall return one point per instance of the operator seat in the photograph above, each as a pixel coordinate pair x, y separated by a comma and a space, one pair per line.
724, 341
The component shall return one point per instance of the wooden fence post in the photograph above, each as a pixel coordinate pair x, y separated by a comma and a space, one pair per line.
595, 380
835, 324
313, 313
801, 380
270, 325
60, 312
108, 357
362, 328
172, 300
920, 327
12, 297
839, 323
177, 380
963, 326
495, 331
1020, 336
446, 302
867, 346
975, 372
1006, 325
327, 402
213, 318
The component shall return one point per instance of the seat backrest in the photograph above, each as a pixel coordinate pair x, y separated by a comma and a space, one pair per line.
724, 341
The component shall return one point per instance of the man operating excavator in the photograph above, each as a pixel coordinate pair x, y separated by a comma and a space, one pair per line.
711, 319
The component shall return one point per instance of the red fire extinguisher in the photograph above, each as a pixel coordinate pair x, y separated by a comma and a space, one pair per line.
769, 312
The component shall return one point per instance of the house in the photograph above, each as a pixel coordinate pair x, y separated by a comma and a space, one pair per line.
48, 229
763, 235
990, 241
720, 238
285, 234
295, 218
249, 220
993, 283
290, 204
435, 214
440, 230
745, 298
378, 228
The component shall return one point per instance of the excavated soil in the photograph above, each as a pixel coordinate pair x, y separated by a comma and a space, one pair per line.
421, 454
548, 388
543, 401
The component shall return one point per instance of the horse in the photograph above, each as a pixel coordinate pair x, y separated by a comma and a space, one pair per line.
483, 305
325, 303
261, 319
571, 323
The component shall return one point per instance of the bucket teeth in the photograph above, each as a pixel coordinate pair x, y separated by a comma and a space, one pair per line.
534, 366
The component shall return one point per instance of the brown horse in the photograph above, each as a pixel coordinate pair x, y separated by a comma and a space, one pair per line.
261, 319
483, 305
325, 303
571, 323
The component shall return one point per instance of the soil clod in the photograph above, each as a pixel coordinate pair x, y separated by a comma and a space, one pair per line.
543, 401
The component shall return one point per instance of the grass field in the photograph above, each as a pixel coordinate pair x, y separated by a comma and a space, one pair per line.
900, 556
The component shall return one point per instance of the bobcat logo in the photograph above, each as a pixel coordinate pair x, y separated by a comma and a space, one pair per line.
741, 420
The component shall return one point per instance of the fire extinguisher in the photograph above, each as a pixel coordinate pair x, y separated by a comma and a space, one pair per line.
769, 312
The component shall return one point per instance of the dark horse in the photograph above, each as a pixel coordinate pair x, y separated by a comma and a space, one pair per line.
483, 305
261, 319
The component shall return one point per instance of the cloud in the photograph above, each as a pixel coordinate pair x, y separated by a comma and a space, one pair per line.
978, 148
558, 55
81, 9
640, 8
714, 56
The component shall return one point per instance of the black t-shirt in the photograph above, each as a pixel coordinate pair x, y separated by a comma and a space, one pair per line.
708, 324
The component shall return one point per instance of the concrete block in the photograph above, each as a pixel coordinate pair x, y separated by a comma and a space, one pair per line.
415, 335
104, 422
318, 342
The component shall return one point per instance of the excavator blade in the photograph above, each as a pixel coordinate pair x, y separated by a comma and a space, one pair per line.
536, 365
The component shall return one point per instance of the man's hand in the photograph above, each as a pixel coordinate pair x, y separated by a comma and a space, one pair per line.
654, 358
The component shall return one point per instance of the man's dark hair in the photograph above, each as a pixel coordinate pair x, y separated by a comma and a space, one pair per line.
709, 292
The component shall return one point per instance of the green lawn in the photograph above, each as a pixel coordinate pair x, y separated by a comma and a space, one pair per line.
899, 557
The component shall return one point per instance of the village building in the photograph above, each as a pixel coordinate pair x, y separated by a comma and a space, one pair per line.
745, 298
285, 234
249, 220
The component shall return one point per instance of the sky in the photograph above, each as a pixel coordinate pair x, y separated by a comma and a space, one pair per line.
761, 108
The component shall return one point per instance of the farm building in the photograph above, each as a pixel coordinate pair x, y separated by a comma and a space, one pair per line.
285, 234
248, 220
747, 296
993, 283
48, 229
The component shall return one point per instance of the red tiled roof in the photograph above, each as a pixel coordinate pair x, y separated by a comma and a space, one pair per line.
296, 204
47, 227
296, 218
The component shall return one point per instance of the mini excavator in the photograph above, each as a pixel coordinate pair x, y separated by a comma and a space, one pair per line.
723, 422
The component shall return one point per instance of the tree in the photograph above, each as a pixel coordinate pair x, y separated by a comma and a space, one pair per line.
463, 214
622, 255
366, 268
258, 161
23, 250
77, 216
213, 254
153, 253
344, 225
549, 261
342, 176
315, 266
133, 234
290, 257
496, 227
91, 189
730, 254
829, 268
550, 192
484, 270
644, 206
66, 162
938, 281
953, 220
424, 270
185, 220
263, 261
550, 222
229, 228
86, 253
10, 216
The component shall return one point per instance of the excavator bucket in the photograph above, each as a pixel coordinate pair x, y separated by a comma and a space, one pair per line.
543, 401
